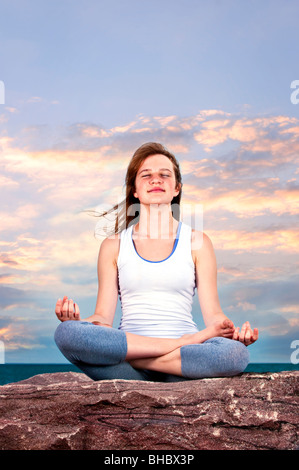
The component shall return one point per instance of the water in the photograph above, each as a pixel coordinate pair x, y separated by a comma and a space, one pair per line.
15, 372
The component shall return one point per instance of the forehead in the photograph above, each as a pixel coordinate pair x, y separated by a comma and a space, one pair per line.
156, 162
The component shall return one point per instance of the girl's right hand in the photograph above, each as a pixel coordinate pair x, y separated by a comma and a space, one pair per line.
67, 310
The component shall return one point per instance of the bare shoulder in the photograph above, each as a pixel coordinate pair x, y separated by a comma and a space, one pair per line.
201, 244
109, 248
200, 240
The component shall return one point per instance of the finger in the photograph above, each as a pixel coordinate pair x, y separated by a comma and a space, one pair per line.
236, 333
255, 335
65, 310
242, 333
59, 305
58, 308
77, 311
71, 309
248, 336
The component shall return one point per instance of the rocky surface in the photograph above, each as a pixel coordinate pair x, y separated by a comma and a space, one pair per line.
70, 411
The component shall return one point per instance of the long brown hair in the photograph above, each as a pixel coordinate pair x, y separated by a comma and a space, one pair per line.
125, 211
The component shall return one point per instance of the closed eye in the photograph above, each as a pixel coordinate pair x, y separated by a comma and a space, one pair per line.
163, 175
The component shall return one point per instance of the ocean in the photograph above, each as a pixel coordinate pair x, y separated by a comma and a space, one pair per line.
10, 373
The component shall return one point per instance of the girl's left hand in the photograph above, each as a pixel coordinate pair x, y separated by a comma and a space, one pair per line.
246, 335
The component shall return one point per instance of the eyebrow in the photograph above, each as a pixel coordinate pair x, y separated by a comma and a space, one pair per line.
161, 169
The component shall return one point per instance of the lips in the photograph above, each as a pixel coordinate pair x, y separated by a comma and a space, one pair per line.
157, 190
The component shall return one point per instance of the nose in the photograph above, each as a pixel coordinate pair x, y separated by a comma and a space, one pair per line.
155, 179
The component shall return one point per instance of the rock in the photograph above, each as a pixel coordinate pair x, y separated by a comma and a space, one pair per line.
70, 411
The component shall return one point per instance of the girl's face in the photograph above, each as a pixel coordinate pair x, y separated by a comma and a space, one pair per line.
155, 181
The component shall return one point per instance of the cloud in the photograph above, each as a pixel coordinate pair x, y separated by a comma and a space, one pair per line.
11, 296
242, 170
34, 99
243, 270
17, 335
6, 182
259, 242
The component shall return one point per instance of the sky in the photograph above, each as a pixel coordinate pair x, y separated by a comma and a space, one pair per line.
84, 84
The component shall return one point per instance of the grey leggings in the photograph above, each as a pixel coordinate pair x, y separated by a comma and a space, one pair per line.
100, 353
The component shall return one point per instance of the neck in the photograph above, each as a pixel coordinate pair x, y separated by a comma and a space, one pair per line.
156, 221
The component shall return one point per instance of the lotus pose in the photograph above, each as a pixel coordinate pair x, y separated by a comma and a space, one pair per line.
154, 262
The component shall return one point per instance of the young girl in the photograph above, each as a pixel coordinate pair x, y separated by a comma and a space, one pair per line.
154, 263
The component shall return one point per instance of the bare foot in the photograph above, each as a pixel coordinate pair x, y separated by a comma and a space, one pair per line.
224, 328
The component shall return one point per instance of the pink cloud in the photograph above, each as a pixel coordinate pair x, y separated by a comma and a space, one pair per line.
259, 242
63, 181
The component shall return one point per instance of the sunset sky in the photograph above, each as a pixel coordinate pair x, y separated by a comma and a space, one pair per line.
86, 83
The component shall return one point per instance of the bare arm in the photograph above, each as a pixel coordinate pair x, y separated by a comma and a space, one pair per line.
206, 279
107, 296
107, 283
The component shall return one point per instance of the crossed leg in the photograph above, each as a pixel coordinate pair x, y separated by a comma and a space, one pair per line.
107, 353
215, 357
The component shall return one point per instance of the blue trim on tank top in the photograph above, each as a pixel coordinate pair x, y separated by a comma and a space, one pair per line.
173, 249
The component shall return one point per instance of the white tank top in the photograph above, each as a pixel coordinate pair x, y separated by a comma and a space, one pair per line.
156, 296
